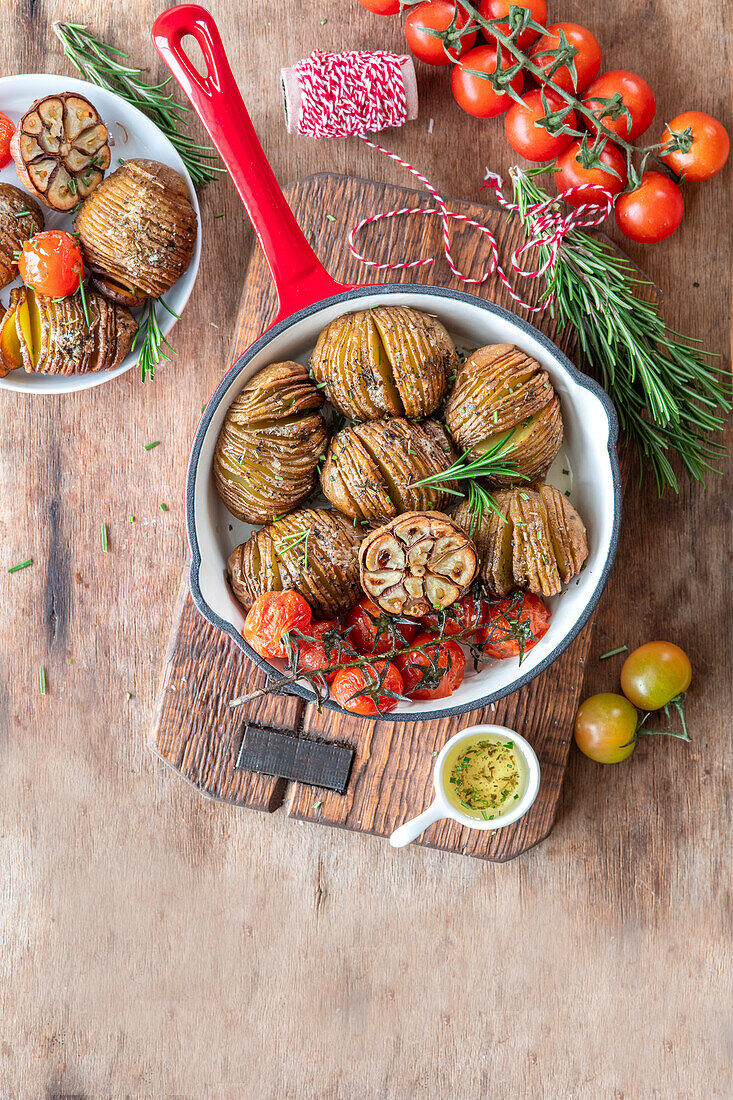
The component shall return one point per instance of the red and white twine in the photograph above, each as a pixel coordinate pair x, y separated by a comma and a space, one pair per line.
350, 94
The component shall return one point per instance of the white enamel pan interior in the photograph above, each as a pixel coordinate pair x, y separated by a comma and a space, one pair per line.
587, 467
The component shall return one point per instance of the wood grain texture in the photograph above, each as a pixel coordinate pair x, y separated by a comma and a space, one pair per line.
158, 946
391, 779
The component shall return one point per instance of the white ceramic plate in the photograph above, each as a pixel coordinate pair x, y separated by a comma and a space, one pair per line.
134, 136
588, 454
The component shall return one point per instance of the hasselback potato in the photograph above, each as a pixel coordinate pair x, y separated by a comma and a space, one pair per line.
371, 469
313, 551
20, 218
51, 335
270, 443
501, 393
387, 361
539, 542
138, 231
417, 563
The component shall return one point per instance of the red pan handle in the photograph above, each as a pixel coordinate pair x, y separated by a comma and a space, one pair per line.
300, 278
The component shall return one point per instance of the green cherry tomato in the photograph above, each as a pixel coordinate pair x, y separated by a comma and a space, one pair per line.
655, 674
605, 728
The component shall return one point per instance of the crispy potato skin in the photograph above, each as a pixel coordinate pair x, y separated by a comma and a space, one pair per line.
501, 392
325, 570
540, 544
371, 468
139, 227
270, 443
387, 361
14, 230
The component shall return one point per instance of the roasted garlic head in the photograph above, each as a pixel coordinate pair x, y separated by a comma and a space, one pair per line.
372, 469
313, 551
20, 218
138, 231
270, 443
538, 542
386, 361
420, 562
51, 335
501, 393
61, 150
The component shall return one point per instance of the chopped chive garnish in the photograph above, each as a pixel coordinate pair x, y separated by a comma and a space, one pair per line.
318, 803
131, 519
21, 213
21, 565
105, 539
221, 215
164, 507
566, 471
128, 696
149, 446
42, 680
613, 652
330, 218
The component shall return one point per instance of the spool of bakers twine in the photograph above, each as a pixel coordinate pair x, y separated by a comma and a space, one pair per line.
354, 93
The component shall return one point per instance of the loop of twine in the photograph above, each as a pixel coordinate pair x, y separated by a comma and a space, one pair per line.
355, 92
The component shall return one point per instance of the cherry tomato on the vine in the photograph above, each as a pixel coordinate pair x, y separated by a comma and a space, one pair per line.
605, 728
497, 9
515, 626
347, 683
587, 59
465, 615
51, 264
474, 93
652, 211
437, 15
526, 137
374, 631
708, 152
272, 615
432, 673
312, 655
573, 174
655, 674
382, 7
637, 97
6, 136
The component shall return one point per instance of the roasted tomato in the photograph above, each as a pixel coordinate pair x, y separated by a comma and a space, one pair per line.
382, 676
709, 149
433, 672
636, 96
374, 631
51, 264
327, 648
272, 615
587, 59
6, 136
516, 625
473, 92
466, 614
573, 174
498, 9
529, 139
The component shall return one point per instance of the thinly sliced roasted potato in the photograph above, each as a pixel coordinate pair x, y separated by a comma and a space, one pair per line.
20, 219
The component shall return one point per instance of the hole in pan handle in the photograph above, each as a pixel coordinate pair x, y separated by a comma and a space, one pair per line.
300, 278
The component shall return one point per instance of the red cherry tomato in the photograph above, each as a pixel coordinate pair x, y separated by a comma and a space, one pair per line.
652, 211
272, 615
432, 673
527, 138
382, 7
474, 93
496, 9
347, 684
437, 15
374, 631
466, 614
637, 96
587, 59
51, 264
573, 174
319, 653
6, 136
517, 624
708, 152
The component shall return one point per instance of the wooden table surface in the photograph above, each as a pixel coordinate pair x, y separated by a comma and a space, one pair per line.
157, 945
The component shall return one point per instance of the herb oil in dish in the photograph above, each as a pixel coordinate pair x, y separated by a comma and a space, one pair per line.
486, 776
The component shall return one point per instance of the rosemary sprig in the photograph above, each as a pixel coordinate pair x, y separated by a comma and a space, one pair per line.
667, 396
105, 66
150, 343
494, 462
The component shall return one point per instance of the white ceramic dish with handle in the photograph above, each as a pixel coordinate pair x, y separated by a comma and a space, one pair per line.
308, 300
134, 136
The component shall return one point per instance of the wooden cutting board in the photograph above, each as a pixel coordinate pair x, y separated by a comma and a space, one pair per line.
194, 730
